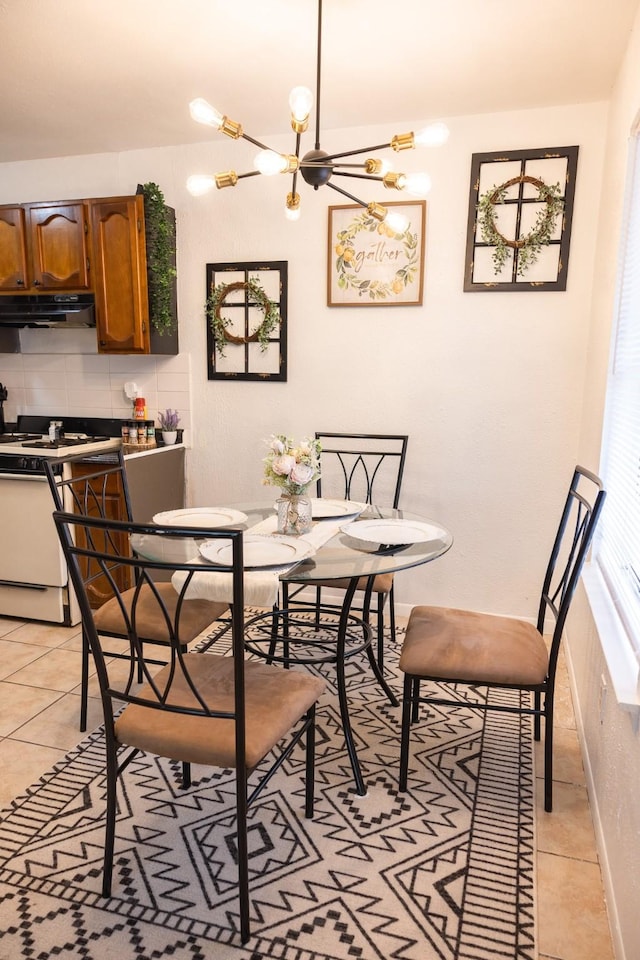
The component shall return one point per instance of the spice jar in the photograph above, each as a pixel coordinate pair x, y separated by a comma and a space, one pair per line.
139, 409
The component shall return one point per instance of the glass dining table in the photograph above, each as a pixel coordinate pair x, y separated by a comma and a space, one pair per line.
377, 541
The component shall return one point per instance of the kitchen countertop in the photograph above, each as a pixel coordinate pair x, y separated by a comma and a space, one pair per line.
147, 451
87, 449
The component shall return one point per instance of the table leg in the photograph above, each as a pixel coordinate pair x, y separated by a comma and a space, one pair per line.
279, 634
342, 687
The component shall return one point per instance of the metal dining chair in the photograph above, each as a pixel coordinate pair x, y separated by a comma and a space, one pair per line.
454, 652
199, 707
100, 489
367, 468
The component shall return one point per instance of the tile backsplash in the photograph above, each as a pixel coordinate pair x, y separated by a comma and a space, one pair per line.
55, 384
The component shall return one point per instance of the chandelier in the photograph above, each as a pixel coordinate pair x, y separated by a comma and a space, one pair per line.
316, 167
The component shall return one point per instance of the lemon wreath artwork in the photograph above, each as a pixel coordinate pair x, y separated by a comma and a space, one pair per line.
271, 319
371, 263
529, 246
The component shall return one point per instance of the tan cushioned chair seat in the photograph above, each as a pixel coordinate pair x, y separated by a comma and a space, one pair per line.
275, 701
473, 647
381, 584
195, 615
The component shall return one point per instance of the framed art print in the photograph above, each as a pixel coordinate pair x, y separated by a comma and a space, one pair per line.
369, 264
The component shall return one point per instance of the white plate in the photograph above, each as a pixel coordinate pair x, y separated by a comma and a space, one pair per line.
394, 531
260, 550
201, 517
322, 509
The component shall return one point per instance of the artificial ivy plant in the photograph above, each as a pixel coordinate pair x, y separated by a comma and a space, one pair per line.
161, 247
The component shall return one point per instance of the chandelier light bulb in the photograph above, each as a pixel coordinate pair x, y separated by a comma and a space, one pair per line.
377, 166
300, 103
203, 112
199, 184
417, 184
397, 222
434, 135
268, 162
292, 211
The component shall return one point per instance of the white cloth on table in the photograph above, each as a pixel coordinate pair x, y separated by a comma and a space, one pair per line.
260, 586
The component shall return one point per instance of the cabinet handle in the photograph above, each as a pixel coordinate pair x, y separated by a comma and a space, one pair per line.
20, 283
36, 283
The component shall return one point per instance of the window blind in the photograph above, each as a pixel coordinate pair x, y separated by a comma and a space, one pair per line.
617, 548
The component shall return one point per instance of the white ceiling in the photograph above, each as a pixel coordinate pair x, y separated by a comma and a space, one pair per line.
89, 76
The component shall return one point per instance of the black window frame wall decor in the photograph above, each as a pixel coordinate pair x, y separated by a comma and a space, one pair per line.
246, 365
499, 169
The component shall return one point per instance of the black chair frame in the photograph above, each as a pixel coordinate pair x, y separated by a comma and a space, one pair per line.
91, 493
100, 545
574, 535
360, 469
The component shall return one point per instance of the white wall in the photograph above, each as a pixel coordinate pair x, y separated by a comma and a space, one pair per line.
611, 745
488, 385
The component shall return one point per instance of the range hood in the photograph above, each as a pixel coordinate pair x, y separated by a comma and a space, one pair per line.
47, 310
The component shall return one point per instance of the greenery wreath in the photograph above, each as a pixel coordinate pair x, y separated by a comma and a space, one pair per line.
219, 324
528, 247
374, 289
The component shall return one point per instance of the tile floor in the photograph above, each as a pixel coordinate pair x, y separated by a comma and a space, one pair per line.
39, 706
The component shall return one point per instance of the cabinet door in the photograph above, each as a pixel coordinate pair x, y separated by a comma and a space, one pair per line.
120, 275
13, 249
58, 235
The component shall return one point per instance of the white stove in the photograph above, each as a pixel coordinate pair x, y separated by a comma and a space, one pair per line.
34, 583
31, 446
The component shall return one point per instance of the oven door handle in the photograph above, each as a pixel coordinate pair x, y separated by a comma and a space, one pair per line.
31, 477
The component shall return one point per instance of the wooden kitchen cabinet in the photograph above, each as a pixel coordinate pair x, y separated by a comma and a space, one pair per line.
44, 247
120, 275
13, 248
97, 245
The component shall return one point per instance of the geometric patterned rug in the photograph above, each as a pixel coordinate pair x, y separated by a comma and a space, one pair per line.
445, 871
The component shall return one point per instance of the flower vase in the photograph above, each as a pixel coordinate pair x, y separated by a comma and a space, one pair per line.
294, 515
169, 437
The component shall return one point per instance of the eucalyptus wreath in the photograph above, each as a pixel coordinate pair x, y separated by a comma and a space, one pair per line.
529, 246
219, 324
374, 289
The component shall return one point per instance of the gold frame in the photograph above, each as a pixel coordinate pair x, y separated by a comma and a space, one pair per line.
383, 271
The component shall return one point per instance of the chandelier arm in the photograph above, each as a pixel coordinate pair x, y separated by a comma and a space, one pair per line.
257, 143
353, 153
318, 63
356, 166
360, 176
349, 195
251, 173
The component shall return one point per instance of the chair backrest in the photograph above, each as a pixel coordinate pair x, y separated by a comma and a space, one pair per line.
108, 546
580, 515
95, 488
364, 467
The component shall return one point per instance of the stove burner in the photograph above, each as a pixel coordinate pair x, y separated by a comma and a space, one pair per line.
18, 437
62, 442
